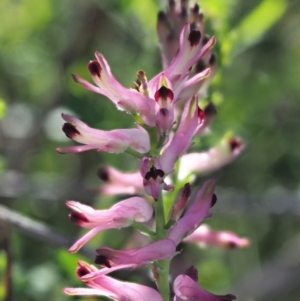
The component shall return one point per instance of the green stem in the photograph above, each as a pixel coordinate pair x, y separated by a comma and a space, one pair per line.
160, 217
143, 228
161, 266
134, 153
162, 281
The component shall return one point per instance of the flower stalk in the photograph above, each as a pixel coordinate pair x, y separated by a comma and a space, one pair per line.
168, 121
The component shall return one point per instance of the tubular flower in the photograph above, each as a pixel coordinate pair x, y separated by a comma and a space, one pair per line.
114, 141
180, 204
118, 182
121, 215
102, 285
126, 99
186, 288
198, 210
204, 235
157, 250
213, 159
153, 177
181, 140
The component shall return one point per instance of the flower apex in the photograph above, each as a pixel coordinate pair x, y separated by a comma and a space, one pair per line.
194, 37
70, 130
235, 143
95, 68
103, 174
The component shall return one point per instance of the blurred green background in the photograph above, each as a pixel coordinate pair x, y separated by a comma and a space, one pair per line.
256, 89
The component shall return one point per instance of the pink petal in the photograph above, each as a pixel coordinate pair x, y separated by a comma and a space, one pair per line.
158, 250
198, 210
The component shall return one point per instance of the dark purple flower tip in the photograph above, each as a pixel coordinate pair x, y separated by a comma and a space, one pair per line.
164, 112
78, 218
154, 173
213, 200
212, 59
200, 66
162, 16
231, 245
196, 8
82, 271
95, 68
234, 144
192, 272
194, 37
205, 39
70, 130
103, 174
172, 3
103, 261
183, 13
187, 190
164, 93
210, 110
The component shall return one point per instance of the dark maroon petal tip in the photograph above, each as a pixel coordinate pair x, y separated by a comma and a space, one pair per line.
103, 261
164, 112
103, 174
162, 16
82, 271
154, 173
164, 93
205, 39
194, 37
95, 68
235, 144
210, 110
187, 190
78, 218
70, 130
192, 272
232, 245
213, 200
183, 13
213, 59
200, 66
196, 8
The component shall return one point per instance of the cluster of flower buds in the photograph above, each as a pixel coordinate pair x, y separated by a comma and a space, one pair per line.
168, 118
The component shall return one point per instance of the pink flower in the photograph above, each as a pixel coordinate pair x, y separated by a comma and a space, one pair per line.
120, 215
157, 250
118, 182
181, 140
204, 235
181, 202
186, 288
153, 177
213, 159
102, 285
114, 141
198, 210
126, 99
